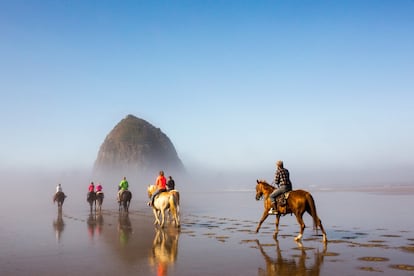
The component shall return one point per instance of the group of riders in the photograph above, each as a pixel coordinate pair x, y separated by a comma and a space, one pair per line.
91, 189
282, 180
162, 186
161, 183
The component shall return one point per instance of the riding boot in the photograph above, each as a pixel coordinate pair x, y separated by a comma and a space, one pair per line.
273, 210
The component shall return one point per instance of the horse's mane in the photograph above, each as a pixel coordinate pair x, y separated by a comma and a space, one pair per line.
264, 182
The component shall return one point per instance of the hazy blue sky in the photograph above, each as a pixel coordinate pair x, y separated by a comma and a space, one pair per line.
236, 85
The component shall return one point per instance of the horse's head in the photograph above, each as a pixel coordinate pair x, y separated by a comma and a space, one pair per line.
151, 189
263, 189
259, 190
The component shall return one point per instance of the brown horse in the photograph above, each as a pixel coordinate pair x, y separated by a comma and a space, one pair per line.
125, 200
59, 197
91, 199
298, 202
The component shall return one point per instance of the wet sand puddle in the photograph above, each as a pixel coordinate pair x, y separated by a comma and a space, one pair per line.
357, 250
374, 251
349, 250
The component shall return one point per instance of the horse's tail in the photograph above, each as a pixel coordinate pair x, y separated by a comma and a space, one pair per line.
173, 203
177, 196
312, 207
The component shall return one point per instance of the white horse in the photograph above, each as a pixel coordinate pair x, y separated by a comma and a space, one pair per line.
165, 201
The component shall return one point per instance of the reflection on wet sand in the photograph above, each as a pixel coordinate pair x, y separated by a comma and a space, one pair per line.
164, 250
124, 228
291, 266
59, 225
95, 224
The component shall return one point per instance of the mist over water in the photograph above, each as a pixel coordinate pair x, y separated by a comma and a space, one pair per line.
219, 213
41, 184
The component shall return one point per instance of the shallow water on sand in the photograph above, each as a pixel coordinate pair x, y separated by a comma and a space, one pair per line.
368, 233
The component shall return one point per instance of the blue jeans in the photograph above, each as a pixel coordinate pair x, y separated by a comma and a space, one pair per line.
279, 191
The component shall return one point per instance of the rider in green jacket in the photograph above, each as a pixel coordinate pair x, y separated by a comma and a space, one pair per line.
123, 186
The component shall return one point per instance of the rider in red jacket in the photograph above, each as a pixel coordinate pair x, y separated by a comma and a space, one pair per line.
161, 183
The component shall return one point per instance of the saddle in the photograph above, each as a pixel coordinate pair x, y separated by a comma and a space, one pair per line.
160, 193
281, 200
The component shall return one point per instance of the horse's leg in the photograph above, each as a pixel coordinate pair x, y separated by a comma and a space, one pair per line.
277, 227
324, 239
263, 218
177, 218
157, 221
173, 216
302, 226
162, 217
173, 210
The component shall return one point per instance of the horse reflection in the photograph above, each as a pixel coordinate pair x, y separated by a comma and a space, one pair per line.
295, 265
164, 249
124, 228
95, 224
59, 225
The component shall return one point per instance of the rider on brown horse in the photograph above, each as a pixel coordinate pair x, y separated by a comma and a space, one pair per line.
283, 182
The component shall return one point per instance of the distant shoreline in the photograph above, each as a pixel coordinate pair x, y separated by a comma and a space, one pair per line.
392, 190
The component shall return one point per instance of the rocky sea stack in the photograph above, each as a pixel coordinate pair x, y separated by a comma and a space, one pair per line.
136, 146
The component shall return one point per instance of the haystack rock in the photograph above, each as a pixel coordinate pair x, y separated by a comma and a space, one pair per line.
134, 145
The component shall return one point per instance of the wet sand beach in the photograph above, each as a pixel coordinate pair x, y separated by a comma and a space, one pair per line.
369, 234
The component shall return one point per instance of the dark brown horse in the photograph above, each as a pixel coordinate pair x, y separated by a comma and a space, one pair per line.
298, 202
125, 200
91, 199
59, 197
99, 200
